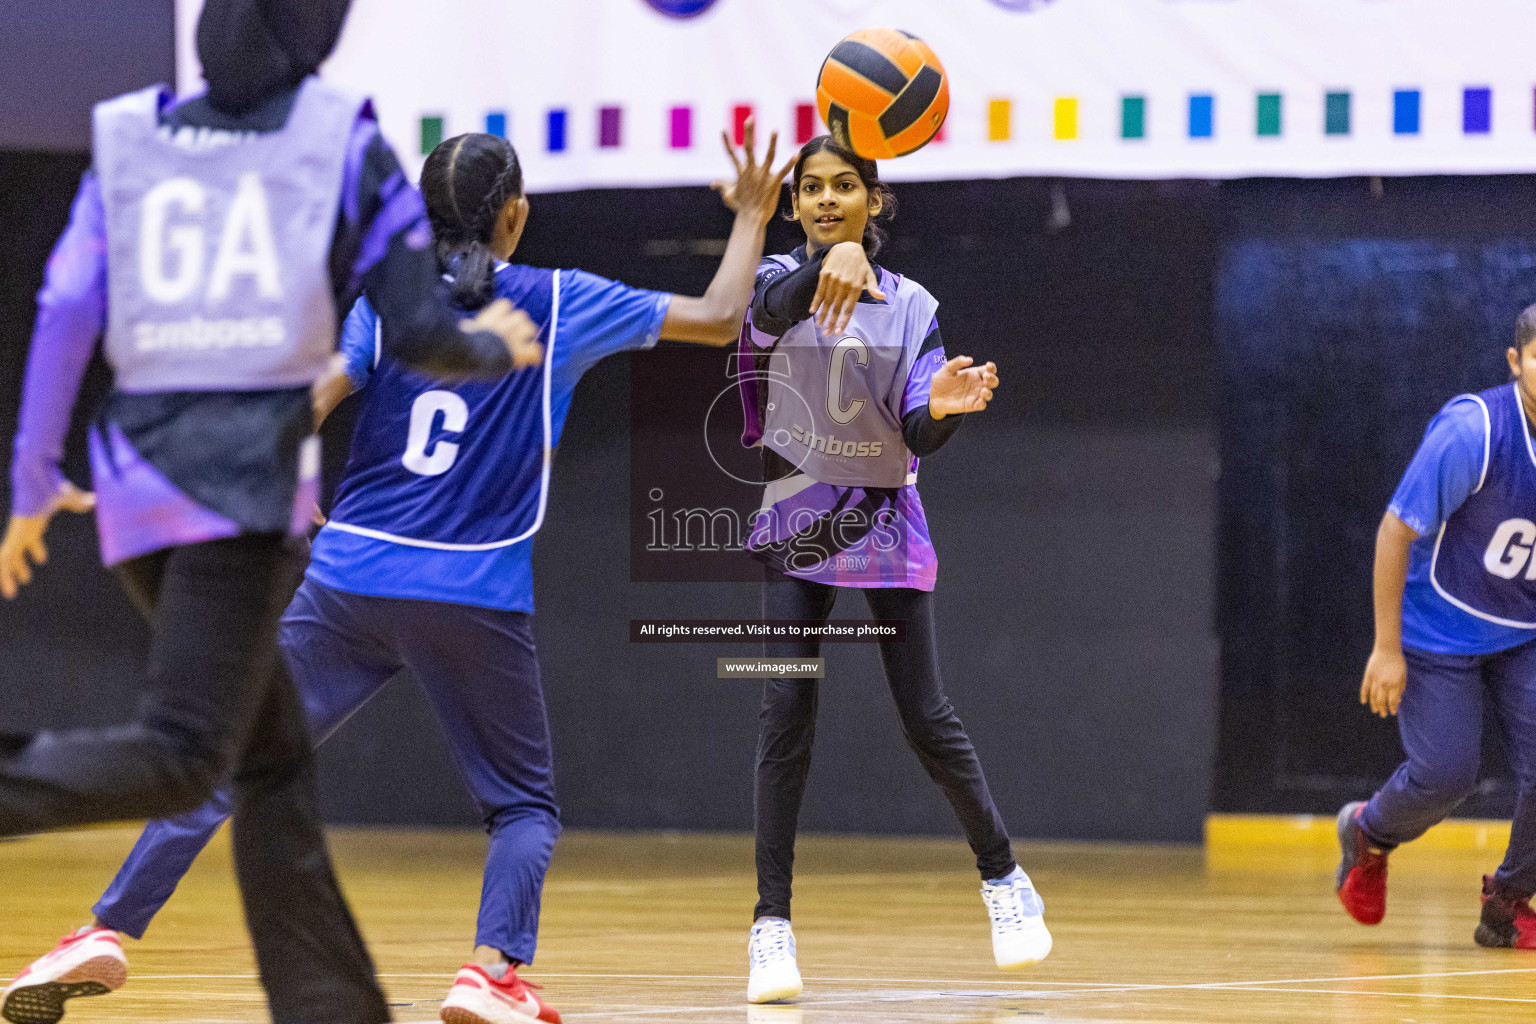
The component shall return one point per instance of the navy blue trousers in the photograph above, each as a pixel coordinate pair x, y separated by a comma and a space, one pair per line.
481, 673
1441, 723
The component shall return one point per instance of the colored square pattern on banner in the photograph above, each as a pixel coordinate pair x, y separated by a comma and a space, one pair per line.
1065, 127
1405, 112
1477, 111
1066, 119
999, 120
681, 128
431, 133
1267, 116
1202, 116
554, 136
805, 123
1133, 117
1336, 113
610, 127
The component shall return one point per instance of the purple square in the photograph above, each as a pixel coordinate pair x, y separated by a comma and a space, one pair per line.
1477, 111
682, 127
610, 121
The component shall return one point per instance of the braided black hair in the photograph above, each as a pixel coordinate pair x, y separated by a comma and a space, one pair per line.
466, 181
874, 232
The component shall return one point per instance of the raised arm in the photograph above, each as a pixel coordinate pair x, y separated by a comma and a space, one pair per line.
716, 318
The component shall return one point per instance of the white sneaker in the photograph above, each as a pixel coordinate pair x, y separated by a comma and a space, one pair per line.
771, 953
1019, 935
89, 962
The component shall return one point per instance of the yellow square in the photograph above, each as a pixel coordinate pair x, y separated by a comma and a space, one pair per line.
1066, 117
1000, 120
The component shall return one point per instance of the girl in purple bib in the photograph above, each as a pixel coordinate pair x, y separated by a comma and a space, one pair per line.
845, 385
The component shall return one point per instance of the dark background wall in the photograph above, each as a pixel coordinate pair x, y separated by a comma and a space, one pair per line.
57, 57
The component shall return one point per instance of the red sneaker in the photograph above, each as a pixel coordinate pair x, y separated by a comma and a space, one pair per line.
1362, 878
478, 998
1507, 923
89, 962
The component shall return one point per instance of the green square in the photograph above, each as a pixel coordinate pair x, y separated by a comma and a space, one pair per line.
1336, 113
431, 134
1133, 117
1269, 113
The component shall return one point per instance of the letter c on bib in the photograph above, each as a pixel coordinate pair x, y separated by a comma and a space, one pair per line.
840, 353
424, 413
1510, 549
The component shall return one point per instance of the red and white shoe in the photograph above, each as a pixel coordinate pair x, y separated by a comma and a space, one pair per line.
478, 998
89, 962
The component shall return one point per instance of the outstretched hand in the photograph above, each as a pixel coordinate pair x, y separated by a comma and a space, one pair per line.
757, 187
23, 546
515, 328
959, 387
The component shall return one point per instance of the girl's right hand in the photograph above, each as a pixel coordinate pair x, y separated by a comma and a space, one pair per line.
1386, 677
845, 276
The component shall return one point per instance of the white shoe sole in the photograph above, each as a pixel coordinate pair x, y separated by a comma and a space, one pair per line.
1033, 951
780, 990
43, 1002
776, 995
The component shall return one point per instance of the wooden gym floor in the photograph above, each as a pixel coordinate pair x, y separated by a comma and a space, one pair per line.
643, 928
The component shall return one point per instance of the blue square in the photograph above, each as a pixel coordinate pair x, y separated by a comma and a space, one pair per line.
1477, 111
1202, 116
556, 131
1405, 112
496, 123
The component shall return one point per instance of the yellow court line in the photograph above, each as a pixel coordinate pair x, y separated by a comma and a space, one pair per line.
1318, 831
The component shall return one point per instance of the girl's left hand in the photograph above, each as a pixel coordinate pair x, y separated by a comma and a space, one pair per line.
958, 387
23, 543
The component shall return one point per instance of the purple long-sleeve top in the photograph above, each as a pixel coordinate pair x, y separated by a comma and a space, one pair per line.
382, 246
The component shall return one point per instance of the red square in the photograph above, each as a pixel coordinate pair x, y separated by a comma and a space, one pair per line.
739, 115
805, 123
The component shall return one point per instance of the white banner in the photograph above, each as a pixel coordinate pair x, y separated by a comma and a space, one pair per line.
601, 93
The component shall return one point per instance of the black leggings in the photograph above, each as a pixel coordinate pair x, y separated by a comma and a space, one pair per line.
218, 704
928, 721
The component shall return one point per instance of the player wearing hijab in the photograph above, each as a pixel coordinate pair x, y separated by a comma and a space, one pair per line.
213, 243
845, 385
426, 562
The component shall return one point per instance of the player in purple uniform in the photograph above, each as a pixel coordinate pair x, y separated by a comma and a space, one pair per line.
213, 243
845, 386
1455, 605
426, 562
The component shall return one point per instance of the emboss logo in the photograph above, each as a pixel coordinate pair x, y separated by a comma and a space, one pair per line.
1023, 6
1510, 550
830, 445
